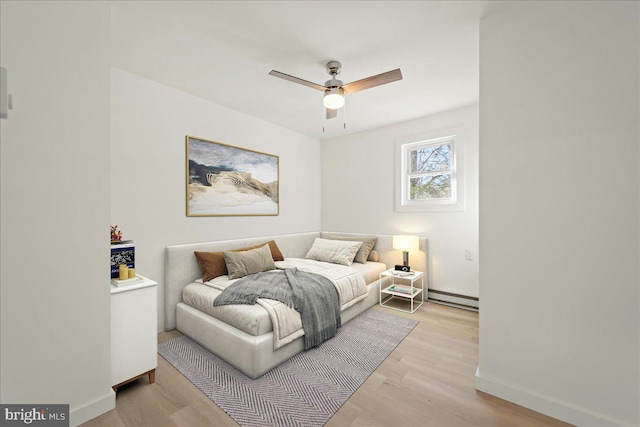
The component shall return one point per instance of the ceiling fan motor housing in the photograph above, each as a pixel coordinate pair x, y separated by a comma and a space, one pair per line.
333, 83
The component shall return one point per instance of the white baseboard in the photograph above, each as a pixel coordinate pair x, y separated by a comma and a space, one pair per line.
543, 404
93, 409
453, 300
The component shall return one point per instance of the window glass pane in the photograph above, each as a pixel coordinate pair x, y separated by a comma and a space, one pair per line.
430, 187
430, 159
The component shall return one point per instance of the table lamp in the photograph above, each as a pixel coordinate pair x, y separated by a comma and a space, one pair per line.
405, 244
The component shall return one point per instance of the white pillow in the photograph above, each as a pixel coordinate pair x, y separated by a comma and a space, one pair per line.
334, 251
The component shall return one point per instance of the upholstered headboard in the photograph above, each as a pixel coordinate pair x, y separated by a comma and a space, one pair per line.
181, 266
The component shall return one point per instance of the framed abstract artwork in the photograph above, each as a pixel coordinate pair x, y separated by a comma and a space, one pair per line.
224, 180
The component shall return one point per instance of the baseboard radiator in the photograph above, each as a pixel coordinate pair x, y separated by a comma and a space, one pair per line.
454, 300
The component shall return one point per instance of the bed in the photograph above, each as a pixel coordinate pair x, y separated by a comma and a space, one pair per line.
244, 335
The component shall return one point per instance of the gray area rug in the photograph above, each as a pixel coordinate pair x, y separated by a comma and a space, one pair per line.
304, 391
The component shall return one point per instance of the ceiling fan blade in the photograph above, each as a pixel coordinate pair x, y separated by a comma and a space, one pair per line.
293, 79
331, 114
373, 81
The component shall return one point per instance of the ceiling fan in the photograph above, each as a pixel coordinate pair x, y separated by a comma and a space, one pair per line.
334, 89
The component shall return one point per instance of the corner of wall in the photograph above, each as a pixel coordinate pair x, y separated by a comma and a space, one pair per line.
543, 404
92, 409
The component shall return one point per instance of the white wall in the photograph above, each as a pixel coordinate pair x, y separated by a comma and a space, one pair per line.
148, 128
559, 161
54, 292
358, 195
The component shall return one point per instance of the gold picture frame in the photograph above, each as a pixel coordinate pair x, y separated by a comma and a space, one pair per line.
225, 180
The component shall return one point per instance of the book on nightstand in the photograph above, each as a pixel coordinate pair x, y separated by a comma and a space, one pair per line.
127, 282
402, 289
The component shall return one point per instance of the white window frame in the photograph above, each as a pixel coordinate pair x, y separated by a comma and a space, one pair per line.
403, 155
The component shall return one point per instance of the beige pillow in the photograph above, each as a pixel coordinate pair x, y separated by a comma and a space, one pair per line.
275, 250
374, 256
240, 264
212, 263
363, 253
334, 251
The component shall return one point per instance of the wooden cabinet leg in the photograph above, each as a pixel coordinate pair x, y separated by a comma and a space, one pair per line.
152, 379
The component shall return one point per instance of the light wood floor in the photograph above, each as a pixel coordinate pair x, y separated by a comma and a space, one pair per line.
427, 381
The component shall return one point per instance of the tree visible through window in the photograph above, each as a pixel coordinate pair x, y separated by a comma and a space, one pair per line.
430, 170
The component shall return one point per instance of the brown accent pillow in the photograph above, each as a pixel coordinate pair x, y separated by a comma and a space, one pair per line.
212, 264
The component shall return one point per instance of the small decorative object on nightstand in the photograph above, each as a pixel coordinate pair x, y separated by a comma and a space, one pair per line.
134, 342
402, 287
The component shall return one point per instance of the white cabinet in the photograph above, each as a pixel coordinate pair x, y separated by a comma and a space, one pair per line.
134, 343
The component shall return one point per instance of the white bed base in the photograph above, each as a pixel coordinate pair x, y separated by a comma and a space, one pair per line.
254, 355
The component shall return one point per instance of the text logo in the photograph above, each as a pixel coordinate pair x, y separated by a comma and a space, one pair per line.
34, 415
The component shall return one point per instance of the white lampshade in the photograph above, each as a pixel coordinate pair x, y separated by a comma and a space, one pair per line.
406, 243
333, 98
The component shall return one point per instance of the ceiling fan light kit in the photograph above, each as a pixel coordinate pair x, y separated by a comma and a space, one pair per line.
334, 89
333, 98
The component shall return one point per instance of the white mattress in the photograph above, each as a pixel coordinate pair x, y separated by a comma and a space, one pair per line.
252, 319
371, 270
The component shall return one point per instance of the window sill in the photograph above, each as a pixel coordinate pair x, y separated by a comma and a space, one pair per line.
431, 207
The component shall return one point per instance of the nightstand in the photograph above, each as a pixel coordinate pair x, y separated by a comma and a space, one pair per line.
402, 287
134, 336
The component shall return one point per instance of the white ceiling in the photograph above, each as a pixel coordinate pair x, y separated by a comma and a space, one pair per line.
223, 52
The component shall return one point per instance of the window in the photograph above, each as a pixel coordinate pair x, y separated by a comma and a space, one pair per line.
429, 175
430, 170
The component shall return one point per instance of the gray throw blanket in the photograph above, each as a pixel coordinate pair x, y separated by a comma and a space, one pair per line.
312, 295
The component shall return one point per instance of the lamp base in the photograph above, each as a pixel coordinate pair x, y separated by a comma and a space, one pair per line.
402, 268
405, 258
